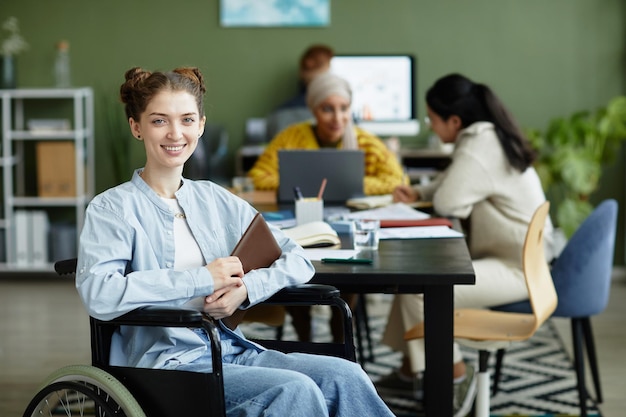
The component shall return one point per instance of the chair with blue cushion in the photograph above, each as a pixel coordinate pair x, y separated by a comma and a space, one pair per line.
582, 278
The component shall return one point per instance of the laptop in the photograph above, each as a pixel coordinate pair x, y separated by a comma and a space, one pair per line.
343, 169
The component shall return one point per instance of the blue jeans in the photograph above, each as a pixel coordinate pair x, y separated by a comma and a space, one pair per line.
270, 383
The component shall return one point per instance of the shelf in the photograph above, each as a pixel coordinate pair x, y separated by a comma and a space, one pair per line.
15, 268
46, 93
29, 222
48, 201
61, 135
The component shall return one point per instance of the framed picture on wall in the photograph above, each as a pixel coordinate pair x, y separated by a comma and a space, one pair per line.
274, 13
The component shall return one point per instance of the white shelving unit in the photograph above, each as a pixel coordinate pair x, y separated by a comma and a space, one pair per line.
15, 136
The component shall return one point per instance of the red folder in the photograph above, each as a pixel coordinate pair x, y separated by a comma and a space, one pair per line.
433, 221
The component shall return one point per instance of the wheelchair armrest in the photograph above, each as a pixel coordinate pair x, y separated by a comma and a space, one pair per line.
155, 316
303, 293
66, 266
160, 316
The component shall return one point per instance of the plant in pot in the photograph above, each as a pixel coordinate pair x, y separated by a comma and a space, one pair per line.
572, 153
10, 46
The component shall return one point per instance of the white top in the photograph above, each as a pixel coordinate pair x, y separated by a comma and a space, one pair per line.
187, 252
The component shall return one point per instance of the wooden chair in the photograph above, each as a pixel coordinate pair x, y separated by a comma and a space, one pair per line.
487, 330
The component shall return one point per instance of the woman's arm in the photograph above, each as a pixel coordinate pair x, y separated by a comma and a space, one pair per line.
383, 172
264, 173
104, 281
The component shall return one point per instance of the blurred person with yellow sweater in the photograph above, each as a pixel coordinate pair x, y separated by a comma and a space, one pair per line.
329, 98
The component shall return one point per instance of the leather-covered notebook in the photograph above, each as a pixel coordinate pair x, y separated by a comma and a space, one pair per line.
257, 248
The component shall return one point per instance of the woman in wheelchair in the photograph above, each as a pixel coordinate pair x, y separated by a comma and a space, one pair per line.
160, 239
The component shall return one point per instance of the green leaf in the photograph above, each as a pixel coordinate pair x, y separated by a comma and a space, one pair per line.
571, 213
579, 169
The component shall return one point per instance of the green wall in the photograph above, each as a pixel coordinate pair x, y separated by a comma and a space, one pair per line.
544, 58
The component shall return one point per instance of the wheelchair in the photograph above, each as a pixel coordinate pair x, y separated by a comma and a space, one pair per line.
103, 390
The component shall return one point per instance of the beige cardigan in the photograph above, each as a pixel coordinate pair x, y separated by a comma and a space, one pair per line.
501, 201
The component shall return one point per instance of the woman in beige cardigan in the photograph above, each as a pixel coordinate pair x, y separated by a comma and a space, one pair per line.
492, 187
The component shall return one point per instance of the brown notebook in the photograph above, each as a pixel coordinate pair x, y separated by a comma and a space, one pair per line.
257, 248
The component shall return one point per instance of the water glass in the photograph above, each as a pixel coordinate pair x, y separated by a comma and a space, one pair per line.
366, 234
242, 185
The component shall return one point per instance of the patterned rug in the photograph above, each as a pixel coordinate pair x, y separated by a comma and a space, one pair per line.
537, 376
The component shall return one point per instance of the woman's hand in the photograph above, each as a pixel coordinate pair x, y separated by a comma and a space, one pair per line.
227, 273
229, 291
404, 194
226, 304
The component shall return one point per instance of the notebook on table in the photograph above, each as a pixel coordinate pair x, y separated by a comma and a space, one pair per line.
343, 169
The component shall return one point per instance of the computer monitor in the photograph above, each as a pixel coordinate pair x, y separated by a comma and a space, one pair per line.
383, 91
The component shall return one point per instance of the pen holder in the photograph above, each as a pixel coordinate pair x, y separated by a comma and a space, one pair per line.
309, 210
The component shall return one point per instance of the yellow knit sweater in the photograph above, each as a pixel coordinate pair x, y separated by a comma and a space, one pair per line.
382, 170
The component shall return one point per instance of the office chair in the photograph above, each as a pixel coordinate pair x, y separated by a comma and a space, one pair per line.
582, 278
487, 330
105, 390
207, 161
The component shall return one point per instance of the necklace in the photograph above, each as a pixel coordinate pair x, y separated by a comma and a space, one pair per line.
174, 206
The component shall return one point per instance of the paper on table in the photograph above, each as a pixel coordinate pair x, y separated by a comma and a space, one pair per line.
393, 211
319, 254
421, 232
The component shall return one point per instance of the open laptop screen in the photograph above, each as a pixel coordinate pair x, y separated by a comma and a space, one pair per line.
343, 169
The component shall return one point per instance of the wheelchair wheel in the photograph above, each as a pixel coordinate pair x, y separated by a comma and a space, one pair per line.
83, 390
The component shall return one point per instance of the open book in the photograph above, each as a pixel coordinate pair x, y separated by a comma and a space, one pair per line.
313, 235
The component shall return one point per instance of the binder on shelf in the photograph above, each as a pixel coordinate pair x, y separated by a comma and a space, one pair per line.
22, 237
31, 237
39, 237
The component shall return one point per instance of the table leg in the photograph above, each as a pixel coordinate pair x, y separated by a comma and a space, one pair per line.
438, 333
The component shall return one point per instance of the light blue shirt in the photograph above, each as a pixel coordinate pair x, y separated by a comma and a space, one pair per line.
126, 261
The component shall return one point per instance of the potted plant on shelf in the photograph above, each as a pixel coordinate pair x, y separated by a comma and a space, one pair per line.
572, 153
12, 45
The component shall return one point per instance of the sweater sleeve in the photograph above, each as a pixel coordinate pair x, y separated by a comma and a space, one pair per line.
264, 173
383, 172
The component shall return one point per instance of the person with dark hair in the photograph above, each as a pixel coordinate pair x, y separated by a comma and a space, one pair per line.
161, 239
492, 187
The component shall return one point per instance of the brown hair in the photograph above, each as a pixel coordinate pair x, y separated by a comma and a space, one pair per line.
141, 86
315, 58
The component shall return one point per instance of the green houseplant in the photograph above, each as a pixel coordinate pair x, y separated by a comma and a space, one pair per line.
572, 153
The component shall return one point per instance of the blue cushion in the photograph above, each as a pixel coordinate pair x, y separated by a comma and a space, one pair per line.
582, 272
